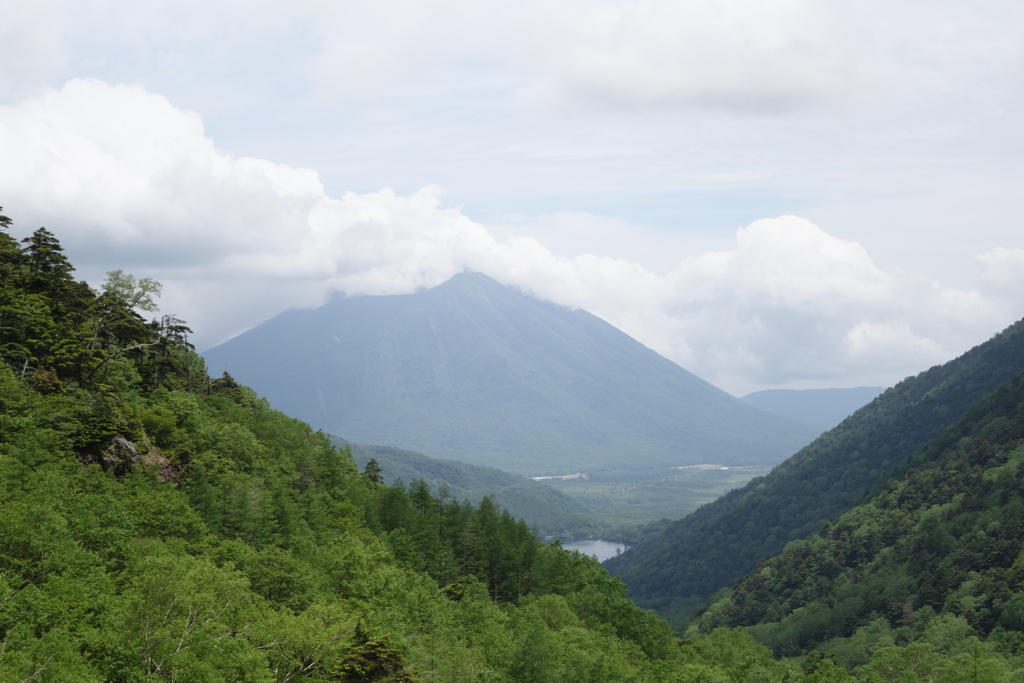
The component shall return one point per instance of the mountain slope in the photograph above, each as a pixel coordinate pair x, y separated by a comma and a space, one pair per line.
159, 525
676, 572
941, 543
822, 408
475, 371
550, 512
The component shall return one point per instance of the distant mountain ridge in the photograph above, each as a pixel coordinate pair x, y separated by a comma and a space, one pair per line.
822, 408
475, 371
676, 572
548, 511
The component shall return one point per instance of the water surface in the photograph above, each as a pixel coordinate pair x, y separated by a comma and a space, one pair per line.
603, 550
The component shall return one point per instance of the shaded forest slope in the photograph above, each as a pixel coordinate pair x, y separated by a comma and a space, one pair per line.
676, 572
939, 550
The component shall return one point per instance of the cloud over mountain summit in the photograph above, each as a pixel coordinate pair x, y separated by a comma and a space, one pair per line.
127, 179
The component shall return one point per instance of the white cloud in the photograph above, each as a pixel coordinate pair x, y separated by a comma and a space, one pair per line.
1004, 268
734, 54
880, 342
746, 54
1003, 274
791, 302
129, 181
126, 180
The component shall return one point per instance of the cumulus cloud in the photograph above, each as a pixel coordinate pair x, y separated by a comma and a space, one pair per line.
791, 302
126, 180
1003, 274
1004, 268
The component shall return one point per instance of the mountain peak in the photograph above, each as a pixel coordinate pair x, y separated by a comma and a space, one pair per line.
467, 277
477, 371
474, 282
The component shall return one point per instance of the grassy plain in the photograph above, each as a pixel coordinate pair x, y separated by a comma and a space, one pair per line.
624, 500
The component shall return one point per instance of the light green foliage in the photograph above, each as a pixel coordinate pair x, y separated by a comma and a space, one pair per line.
181, 614
160, 525
727, 655
156, 524
137, 293
922, 662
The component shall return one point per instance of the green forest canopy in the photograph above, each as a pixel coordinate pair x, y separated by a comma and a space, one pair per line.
935, 559
677, 572
157, 524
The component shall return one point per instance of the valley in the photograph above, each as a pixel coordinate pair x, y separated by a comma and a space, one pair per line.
619, 505
157, 523
622, 500
475, 371
637, 341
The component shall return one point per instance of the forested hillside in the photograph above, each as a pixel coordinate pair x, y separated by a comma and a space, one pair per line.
678, 571
157, 524
936, 559
549, 512
160, 525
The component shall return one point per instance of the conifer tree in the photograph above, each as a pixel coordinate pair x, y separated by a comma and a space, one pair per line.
372, 472
372, 659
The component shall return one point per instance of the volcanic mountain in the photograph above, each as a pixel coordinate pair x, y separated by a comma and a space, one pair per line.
475, 371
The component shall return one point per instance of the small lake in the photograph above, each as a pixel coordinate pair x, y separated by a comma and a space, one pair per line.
603, 550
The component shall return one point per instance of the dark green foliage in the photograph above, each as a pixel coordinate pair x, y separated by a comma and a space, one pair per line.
677, 572
371, 659
156, 524
372, 472
935, 558
63, 337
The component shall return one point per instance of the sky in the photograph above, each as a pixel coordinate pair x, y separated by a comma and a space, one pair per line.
794, 194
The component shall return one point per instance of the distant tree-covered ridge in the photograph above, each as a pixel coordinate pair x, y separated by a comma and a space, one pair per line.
550, 512
678, 571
